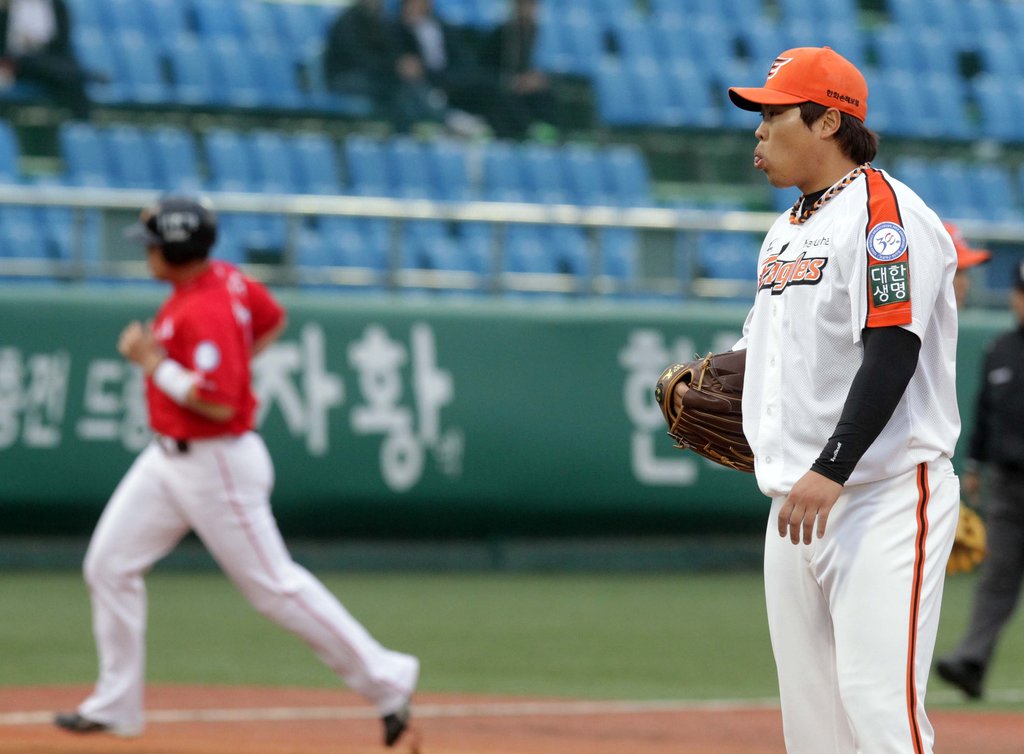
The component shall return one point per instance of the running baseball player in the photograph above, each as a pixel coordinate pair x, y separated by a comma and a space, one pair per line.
206, 470
849, 406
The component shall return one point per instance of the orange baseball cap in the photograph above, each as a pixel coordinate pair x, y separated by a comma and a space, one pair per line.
966, 256
808, 74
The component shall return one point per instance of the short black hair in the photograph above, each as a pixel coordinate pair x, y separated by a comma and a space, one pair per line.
857, 141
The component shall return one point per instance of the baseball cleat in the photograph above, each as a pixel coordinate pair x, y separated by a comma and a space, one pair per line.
966, 676
395, 725
75, 723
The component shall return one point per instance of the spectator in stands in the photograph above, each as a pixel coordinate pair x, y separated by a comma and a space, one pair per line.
521, 94
440, 80
35, 46
361, 54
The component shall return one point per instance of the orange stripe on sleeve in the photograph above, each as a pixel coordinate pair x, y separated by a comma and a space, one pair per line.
888, 256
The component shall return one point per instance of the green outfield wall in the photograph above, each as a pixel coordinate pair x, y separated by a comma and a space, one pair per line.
399, 417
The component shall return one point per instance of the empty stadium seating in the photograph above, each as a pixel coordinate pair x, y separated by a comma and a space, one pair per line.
652, 65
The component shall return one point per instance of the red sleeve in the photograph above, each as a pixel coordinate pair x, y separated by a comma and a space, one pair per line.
266, 312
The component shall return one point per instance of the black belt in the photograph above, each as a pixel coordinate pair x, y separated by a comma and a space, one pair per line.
172, 444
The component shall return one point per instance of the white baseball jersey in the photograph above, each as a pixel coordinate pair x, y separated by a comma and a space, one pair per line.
819, 285
853, 615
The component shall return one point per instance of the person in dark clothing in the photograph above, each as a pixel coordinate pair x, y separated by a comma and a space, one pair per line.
521, 95
996, 445
360, 54
439, 78
35, 46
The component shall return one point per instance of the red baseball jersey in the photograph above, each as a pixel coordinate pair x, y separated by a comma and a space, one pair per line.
208, 325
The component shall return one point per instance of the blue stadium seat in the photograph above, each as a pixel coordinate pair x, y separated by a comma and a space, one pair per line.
176, 159
635, 37
581, 168
297, 24
650, 83
192, 73
616, 103
917, 173
86, 14
20, 233
487, 14
617, 253
233, 66
406, 165
418, 239
730, 256
448, 162
1012, 18
1001, 107
689, 93
275, 74
10, 172
366, 166
502, 173
274, 163
569, 246
139, 68
626, 176
164, 20
991, 188
130, 156
455, 12
261, 234
94, 52
216, 20
526, 252
316, 162
85, 159
541, 178
123, 15
738, 73
230, 164
347, 245
1001, 56
257, 21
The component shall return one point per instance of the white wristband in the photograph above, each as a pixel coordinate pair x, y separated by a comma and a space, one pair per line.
174, 380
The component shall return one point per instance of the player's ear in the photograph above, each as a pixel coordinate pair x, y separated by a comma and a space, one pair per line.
830, 121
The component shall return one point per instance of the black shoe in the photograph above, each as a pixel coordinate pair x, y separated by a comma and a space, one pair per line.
966, 676
395, 725
75, 723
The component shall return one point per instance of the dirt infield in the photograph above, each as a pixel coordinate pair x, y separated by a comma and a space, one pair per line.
233, 720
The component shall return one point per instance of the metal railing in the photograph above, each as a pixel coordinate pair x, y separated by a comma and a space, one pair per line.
668, 263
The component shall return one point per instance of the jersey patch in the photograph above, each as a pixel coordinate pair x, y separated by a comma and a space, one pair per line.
886, 241
888, 256
207, 356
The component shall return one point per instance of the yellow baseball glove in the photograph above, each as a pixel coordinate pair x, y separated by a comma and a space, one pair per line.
969, 547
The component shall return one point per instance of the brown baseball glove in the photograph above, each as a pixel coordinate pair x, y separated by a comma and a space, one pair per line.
969, 547
710, 421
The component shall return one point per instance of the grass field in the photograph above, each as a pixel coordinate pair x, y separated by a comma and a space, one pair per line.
622, 636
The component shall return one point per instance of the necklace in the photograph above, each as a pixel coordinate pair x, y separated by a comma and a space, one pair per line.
798, 217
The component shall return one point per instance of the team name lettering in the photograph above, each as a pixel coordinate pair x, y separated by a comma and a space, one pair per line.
843, 97
800, 271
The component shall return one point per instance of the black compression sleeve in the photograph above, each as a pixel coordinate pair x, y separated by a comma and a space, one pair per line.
890, 358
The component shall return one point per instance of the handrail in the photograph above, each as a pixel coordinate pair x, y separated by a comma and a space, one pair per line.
296, 206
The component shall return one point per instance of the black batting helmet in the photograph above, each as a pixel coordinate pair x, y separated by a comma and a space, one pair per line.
184, 227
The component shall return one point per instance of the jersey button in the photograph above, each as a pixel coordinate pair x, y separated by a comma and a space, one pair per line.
767, 459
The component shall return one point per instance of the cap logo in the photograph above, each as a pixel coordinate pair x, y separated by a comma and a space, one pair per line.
176, 227
777, 65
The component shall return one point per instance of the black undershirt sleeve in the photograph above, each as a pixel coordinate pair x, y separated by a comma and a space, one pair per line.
890, 359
